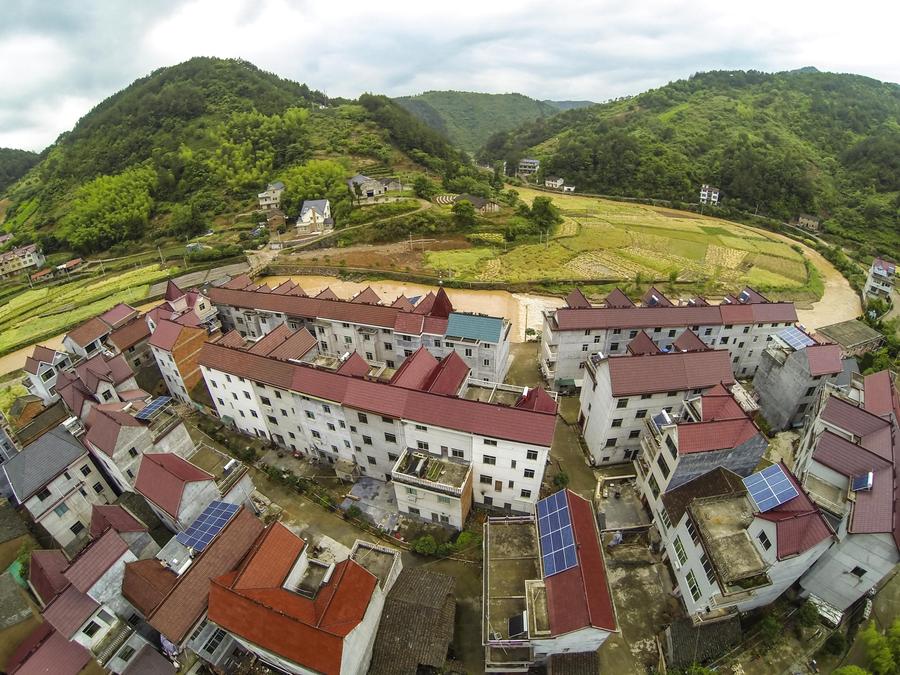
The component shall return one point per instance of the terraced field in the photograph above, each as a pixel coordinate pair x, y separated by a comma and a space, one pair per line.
601, 239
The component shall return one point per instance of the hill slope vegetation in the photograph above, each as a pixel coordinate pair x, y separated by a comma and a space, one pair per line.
14, 164
782, 143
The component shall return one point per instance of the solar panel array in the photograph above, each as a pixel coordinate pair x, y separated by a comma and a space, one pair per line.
153, 407
796, 338
207, 525
770, 487
556, 536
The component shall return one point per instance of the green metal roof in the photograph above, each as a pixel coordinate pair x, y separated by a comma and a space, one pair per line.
475, 327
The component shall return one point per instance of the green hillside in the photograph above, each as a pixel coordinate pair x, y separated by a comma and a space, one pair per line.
173, 151
782, 144
14, 164
469, 118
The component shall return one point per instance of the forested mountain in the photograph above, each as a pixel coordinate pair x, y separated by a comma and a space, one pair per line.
469, 118
782, 143
14, 164
196, 140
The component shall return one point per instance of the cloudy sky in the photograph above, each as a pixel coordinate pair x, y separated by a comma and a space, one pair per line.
58, 59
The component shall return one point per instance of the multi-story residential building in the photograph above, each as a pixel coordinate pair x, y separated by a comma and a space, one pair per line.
20, 260
709, 431
554, 182
741, 324
300, 614
620, 392
881, 279
41, 371
847, 462
528, 166
709, 194
791, 372
57, 483
737, 544
271, 198
133, 531
188, 308
545, 585
358, 417
808, 222
103, 378
315, 216
88, 339
176, 348
380, 333
132, 340
119, 434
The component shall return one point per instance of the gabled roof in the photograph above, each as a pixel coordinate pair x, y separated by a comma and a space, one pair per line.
537, 399
716, 435
162, 478
40, 462
642, 344
403, 304
848, 459
104, 427
172, 291
238, 282
655, 298
448, 376
118, 315
849, 417
580, 597
113, 517
441, 306
673, 371
474, 327
68, 612
355, 366
183, 606
366, 297
415, 370
425, 304
576, 300
101, 368
689, 342
146, 582
252, 604
45, 572
823, 359
799, 523
271, 340
130, 334
617, 298
94, 561
327, 294
166, 334
878, 391
45, 651
41, 354
87, 332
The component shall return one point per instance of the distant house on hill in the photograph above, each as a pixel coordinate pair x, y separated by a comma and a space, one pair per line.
528, 166
315, 216
271, 198
481, 204
568, 188
554, 182
709, 194
808, 222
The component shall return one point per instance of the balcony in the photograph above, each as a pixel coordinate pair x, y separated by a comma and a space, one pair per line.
433, 473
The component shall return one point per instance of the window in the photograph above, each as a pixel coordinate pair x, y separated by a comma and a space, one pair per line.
632, 334
610, 443
665, 520
529, 473
61, 510
692, 586
422, 445
390, 438
644, 397
488, 441
584, 348
622, 403
679, 550
614, 347
277, 394
387, 420
597, 340
326, 408
858, 572
708, 568
126, 653
419, 427
654, 486
692, 530
265, 401
331, 427
86, 470
362, 418
316, 434
485, 480
531, 454
370, 459
271, 419
617, 422
413, 510
489, 459
671, 333
640, 414
91, 629
457, 453
663, 467
253, 412
43, 494
525, 494
708, 331
213, 643
764, 540
634, 433
77, 527
393, 456
367, 440
468, 352
809, 391
247, 394
488, 501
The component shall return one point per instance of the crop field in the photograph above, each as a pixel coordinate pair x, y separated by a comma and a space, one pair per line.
40, 313
602, 239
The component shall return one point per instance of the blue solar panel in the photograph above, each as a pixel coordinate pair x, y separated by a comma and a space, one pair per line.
770, 487
207, 525
555, 531
863, 482
796, 338
154, 406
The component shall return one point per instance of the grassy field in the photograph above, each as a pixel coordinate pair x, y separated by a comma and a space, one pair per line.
43, 312
602, 239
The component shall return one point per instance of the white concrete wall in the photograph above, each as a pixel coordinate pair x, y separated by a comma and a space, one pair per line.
583, 640
358, 643
107, 590
428, 504
171, 375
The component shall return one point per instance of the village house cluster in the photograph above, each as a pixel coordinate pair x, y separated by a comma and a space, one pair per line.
165, 552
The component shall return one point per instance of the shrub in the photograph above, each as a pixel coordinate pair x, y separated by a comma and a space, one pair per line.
808, 615
425, 545
769, 629
354, 512
561, 480
835, 644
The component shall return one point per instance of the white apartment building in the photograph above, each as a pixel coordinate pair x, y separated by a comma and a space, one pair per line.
742, 325
380, 333
366, 422
846, 461
41, 370
20, 260
709, 194
528, 166
881, 279
271, 197
620, 392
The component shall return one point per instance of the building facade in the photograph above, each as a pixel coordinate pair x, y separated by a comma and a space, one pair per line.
881, 279
20, 260
709, 194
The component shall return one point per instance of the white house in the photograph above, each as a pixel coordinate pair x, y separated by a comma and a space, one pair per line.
42, 369
554, 182
881, 279
528, 166
709, 194
20, 259
271, 197
315, 216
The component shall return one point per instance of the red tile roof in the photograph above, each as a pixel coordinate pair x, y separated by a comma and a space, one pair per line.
130, 334
415, 370
537, 399
295, 347
441, 307
112, 516
327, 294
87, 332
849, 417
824, 359
495, 421
354, 366
118, 315
68, 612
41, 354
183, 606
271, 340
655, 298
576, 299
617, 298
367, 297
145, 584
673, 371
580, 597
716, 435
162, 478
847, 458
46, 652
425, 303
252, 604
403, 304
166, 334
649, 317
878, 390
642, 344
240, 281
45, 572
799, 523
104, 427
94, 561
172, 291
689, 342
448, 376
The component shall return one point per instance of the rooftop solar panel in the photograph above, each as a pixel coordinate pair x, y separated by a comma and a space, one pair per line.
796, 338
770, 487
152, 408
207, 525
557, 540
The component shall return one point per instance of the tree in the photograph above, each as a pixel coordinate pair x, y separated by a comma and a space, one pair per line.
769, 629
357, 192
878, 650
186, 219
561, 480
425, 545
544, 213
851, 670
317, 179
464, 213
808, 615
424, 188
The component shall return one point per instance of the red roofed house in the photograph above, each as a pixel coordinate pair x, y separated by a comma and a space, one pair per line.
42, 369
741, 324
791, 372
103, 378
88, 338
123, 522
849, 462
46, 651
620, 391
709, 431
729, 554
533, 609
299, 614
175, 489
176, 348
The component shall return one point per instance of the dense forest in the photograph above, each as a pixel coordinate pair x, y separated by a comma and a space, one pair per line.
468, 119
780, 144
14, 164
193, 141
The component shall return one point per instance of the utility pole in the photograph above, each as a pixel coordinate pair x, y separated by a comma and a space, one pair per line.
162, 260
